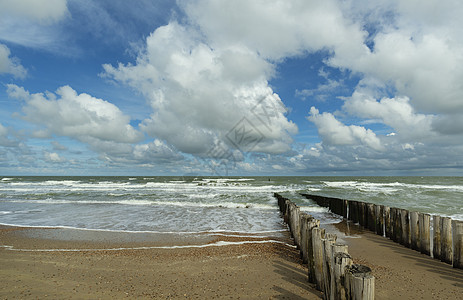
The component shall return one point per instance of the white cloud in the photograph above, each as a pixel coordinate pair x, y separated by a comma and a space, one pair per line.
198, 93
276, 29
53, 157
394, 112
10, 65
79, 116
5, 139
335, 133
41, 11
155, 151
416, 49
36, 24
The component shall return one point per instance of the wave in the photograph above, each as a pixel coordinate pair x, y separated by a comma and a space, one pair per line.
151, 203
389, 186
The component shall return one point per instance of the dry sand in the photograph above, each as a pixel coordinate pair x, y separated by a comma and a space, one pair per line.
250, 271
402, 273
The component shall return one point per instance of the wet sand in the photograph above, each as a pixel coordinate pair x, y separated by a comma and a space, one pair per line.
247, 271
401, 273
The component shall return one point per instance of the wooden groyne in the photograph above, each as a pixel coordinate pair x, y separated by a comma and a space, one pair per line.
329, 263
412, 229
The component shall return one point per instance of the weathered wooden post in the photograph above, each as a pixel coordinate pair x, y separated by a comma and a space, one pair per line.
317, 246
310, 250
446, 240
387, 221
363, 214
345, 209
424, 221
341, 261
328, 242
379, 213
405, 225
286, 214
304, 220
395, 225
436, 238
294, 223
457, 227
354, 211
361, 284
371, 217
336, 248
414, 231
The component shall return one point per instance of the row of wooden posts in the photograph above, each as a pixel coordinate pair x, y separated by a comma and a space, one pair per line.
330, 266
409, 228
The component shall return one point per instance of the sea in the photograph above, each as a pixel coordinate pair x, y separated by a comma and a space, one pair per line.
206, 205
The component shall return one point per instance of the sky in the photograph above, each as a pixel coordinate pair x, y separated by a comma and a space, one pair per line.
210, 87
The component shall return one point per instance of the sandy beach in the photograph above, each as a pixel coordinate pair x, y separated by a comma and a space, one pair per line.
249, 271
401, 273
245, 271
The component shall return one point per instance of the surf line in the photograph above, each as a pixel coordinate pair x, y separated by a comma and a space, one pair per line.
216, 244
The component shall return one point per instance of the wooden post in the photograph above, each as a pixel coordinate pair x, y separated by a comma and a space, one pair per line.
286, 214
361, 284
414, 231
363, 214
379, 213
294, 222
446, 240
405, 226
304, 219
297, 226
336, 248
436, 247
310, 250
345, 212
394, 225
341, 261
387, 221
424, 221
354, 211
329, 240
371, 217
317, 247
457, 227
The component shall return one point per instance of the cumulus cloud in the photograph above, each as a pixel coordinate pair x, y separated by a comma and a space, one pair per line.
415, 49
199, 93
10, 65
395, 112
335, 133
276, 29
79, 116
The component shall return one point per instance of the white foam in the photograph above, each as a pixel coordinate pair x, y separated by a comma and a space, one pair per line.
389, 186
204, 232
216, 244
319, 209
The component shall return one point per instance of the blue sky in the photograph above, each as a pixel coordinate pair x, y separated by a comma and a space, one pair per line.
231, 87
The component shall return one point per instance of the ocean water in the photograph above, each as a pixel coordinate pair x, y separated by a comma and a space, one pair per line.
186, 205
